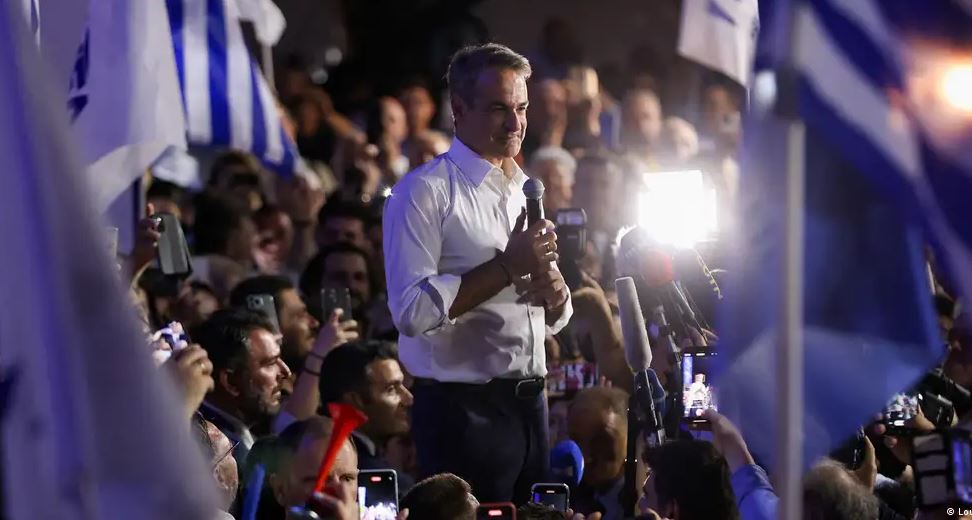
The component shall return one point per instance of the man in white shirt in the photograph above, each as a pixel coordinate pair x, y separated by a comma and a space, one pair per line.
473, 293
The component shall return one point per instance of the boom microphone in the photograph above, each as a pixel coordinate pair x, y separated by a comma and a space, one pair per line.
637, 349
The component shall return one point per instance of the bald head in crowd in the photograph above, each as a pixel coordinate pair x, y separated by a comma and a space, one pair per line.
597, 421
303, 445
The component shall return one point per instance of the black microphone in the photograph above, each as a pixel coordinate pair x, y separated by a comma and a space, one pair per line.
533, 190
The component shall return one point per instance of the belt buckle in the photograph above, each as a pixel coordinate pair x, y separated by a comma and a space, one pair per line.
529, 388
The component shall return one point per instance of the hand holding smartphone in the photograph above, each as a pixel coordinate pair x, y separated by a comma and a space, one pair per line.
335, 298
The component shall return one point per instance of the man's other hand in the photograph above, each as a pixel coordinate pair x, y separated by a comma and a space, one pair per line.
532, 250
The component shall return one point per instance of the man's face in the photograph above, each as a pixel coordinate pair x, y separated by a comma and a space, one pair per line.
260, 391
388, 402
343, 229
419, 108
494, 122
393, 119
596, 189
276, 235
642, 119
602, 437
298, 480
348, 270
242, 241
296, 324
559, 191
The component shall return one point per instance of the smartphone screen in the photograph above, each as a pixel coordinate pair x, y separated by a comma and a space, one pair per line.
553, 495
698, 393
336, 298
962, 468
264, 304
901, 409
496, 512
378, 494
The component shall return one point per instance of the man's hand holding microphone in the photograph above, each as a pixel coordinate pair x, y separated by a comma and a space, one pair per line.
533, 251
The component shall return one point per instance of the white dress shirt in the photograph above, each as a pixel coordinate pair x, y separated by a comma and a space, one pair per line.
442, 220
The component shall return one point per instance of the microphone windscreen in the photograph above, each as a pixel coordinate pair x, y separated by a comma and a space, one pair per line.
567, 463
533, 189
637, 350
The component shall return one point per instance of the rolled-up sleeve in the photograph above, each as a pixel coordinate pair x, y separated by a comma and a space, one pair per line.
754, 494
563, 319
418, 296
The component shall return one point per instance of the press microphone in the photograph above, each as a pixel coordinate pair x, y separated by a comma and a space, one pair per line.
640, 257
637, 349
533, 190
567, 463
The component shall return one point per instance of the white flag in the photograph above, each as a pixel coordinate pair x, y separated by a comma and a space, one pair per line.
90, 429
125, 101
268, 22
720, 34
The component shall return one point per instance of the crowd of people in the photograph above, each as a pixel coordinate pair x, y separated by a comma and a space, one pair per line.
459, 329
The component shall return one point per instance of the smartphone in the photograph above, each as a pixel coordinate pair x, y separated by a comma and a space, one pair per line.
264, 304
698, 393
901, 409
504, 511
336, 298
851, 452
378, 494
554, 495
173, 251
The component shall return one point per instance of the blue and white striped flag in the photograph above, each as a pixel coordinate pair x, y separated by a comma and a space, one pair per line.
720, 34
883, 87
91, 429
227, 101
124, 94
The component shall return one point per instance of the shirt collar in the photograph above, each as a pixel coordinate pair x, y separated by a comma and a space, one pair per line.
476, 169
241, 429
361, 440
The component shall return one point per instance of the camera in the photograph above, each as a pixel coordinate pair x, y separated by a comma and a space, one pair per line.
571, 243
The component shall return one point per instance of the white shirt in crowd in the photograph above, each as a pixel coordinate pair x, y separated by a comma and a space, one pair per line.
442, 220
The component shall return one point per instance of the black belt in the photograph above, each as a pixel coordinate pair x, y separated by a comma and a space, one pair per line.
519, 388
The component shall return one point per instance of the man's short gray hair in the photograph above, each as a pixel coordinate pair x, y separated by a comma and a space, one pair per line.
830, 492
468, 62
557, 155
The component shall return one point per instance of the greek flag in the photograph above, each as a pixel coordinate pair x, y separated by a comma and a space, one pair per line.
227, 102
90, 428
123, 94
883, 88
720, 34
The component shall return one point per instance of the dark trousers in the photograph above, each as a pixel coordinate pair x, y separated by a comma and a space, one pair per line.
494, 440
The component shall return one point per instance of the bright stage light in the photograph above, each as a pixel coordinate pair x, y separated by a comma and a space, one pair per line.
677, 208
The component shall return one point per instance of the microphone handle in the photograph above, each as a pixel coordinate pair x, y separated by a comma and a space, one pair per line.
534, 211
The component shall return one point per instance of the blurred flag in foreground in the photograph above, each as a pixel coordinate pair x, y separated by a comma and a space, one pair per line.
91, 430
883, 87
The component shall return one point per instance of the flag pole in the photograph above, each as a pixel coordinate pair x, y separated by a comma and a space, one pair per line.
790, 384
266, 57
